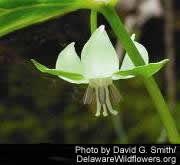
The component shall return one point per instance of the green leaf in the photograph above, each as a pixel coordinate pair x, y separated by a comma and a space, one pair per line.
16, 14
143, 71
44, 69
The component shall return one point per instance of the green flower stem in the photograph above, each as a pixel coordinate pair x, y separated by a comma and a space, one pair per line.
116, 120
152, 87
93, 20
118, 127
163, 110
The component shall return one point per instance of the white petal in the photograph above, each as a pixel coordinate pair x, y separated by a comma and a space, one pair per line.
69, 61
127, 63
99, 58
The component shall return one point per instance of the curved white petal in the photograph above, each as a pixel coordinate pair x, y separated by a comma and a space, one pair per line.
127, 63
69, 61
98, 57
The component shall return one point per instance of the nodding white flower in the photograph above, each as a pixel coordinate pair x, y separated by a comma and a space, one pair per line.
98, 67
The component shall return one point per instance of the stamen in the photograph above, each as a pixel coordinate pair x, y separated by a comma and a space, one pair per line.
105, 111
103, 90
98, 104
114, 94
102, 95
111, 110
89, 97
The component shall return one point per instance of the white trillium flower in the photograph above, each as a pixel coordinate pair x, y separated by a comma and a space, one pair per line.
98, 67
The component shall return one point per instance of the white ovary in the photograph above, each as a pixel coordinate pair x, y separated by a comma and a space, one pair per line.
98, 91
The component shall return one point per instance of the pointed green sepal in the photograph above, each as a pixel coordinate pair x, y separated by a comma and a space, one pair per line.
143, 71
68, 75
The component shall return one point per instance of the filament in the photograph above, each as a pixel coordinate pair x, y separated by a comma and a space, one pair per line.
102, 95
104, 110
98, 103
89, 97
114, 94
111, 110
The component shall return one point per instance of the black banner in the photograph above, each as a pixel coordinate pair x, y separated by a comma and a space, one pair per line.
90, 154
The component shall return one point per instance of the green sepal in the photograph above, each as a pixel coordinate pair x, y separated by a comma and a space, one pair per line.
143, 71
44, 69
